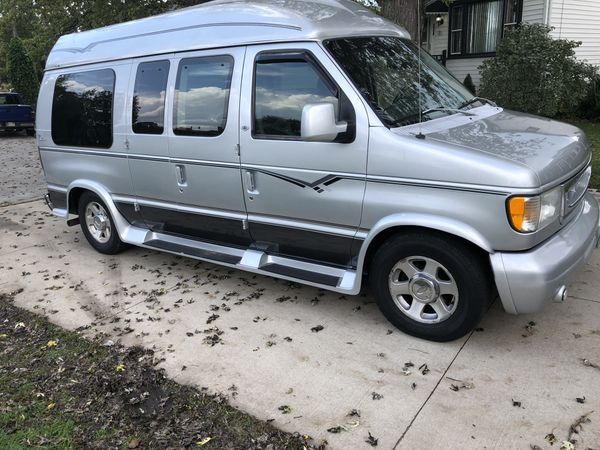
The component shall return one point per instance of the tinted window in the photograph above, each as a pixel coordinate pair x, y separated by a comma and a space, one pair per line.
282, 89
202, 95
148, 108
82, 109
9, 99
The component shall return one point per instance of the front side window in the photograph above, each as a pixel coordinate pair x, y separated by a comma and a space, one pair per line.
82, 109
202, 95
148, 109
386, 72
284, 84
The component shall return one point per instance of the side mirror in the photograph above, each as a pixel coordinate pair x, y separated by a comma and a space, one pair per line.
318, 123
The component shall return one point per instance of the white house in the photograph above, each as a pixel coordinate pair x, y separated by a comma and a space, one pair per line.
464, 34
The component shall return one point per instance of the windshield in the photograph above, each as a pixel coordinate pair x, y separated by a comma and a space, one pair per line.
9, 99
386, 71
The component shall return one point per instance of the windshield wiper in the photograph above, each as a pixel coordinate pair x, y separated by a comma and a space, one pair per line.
406, 120
450, 110
477, 99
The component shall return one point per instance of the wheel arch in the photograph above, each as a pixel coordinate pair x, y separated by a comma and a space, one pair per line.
404, 223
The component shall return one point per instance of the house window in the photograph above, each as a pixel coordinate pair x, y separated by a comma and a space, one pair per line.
476, 27
512, 13
456, 30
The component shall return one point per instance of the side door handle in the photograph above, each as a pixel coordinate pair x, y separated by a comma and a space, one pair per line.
251, 182
180, 173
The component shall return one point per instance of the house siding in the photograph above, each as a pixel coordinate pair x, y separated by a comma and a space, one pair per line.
578, 20
438, 41
461, 67
533, 11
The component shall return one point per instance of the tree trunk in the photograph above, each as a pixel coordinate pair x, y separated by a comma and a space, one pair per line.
404, 13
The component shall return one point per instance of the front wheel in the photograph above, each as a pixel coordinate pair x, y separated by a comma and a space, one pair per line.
430, 286
98, 225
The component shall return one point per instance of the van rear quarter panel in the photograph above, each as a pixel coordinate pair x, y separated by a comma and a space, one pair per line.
64, 165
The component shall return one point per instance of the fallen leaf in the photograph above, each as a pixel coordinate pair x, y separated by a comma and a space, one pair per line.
203, 441
376, 396
372, 441
135, 443
285, 409
52, 344
551, 438
50, 406
354, 413
120, 368
567, 445
580, 399
317, 328
2, 335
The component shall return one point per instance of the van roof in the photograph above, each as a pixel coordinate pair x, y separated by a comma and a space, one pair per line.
221, 23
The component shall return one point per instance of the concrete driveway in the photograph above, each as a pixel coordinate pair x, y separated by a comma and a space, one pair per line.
513, 383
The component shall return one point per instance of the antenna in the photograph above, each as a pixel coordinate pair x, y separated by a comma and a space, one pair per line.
419, 34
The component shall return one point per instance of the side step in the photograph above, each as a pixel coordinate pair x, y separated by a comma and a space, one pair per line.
193, 251
327, 277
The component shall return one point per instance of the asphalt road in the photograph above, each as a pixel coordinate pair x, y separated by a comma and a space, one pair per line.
513, 383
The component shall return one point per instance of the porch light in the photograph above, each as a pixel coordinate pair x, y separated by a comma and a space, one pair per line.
439, 20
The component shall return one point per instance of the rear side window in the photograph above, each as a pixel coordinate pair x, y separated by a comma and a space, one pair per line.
82, 109
202, 95
148, 111
283, 85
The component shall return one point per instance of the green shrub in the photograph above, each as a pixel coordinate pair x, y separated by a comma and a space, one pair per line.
589, 108
20, 71
535, 73
468, 83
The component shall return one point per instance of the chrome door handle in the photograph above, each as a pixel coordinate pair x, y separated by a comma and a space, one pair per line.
250, 182
180, 173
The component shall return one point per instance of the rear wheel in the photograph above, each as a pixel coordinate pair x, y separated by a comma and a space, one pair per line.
98, 225
430, 286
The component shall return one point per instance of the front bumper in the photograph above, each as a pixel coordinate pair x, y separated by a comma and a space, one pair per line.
528, 280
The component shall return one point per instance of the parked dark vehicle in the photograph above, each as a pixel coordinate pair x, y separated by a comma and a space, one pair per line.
14, 115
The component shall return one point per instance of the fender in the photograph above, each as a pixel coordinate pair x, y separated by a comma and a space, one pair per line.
127, 232
434, 222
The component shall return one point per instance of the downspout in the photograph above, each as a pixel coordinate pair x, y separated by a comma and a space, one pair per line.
547, 11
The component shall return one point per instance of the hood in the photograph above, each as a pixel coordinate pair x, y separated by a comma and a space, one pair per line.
553, 150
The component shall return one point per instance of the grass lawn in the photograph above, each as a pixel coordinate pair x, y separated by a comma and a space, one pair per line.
61, 391
592, 130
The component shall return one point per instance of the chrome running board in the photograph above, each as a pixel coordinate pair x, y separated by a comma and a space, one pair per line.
251, 260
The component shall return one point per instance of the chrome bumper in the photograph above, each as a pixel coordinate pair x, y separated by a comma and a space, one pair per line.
528, 280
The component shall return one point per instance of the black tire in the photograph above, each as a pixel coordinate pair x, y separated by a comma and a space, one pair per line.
113, 243
467, 266
30, 132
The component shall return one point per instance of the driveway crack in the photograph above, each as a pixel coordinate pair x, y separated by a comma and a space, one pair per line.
433, 391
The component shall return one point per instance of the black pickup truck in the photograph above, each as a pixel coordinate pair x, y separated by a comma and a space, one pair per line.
14, 115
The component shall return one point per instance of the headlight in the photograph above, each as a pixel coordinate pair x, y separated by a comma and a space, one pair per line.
529, 214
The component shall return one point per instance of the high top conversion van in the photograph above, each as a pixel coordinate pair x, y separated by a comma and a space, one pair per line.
312, 141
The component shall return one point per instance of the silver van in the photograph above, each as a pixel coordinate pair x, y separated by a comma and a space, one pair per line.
312, 141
